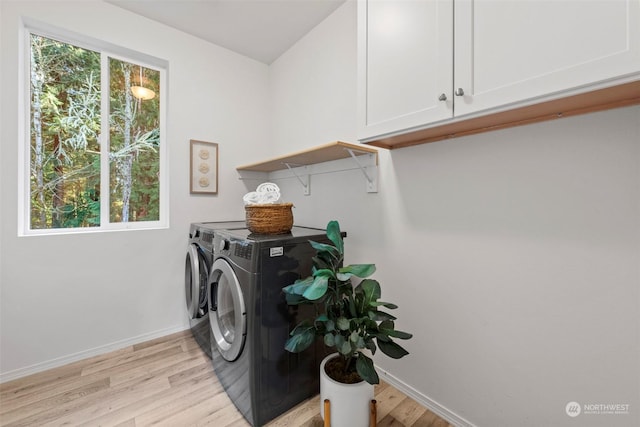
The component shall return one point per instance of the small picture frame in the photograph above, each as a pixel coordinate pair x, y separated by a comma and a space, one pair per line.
203, 167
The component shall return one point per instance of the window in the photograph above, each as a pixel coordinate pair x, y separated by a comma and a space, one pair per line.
96, 145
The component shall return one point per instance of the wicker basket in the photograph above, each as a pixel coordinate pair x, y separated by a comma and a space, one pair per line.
269, 219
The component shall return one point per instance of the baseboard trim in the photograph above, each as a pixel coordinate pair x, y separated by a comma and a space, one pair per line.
64, 360
424, 400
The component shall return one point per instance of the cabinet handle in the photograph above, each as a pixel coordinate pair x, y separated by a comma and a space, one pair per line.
442, 97
459, 92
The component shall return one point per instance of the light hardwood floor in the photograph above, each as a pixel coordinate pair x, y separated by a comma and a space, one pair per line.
168, 381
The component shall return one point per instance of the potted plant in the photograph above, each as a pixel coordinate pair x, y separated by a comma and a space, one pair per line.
348, 318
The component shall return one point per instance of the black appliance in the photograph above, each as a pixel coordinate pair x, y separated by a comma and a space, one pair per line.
196, 274
250, 320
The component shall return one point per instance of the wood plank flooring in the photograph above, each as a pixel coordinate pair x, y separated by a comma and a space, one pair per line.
167, 382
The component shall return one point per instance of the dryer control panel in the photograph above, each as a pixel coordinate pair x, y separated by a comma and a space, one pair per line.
236, 251
242, 249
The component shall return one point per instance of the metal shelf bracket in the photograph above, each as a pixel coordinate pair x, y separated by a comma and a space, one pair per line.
370, 172
304, 179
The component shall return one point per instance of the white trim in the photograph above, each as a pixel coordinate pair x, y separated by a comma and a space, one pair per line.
24, 133
164, 149
105, 140
90, 43
424, 400
96, 351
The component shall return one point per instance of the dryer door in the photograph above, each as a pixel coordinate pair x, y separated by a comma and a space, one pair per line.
196, 275
227, 315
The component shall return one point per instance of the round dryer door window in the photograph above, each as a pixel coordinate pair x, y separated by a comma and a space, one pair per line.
227, 315
196, 275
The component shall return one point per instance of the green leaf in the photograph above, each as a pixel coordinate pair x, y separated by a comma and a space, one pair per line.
298, 287
334, 234
301, 327
345, 348
382, 337
295, 299
329, 340
392, 349
317, 289
400, 334
326, 248
380, 316
385, 304
320, 262
370, 325
358, 270
352, 308
324, 272
385, 316
388, 328
300, 339
387, 324
345, 289
371, 289
371, 346
330, 325
343, 323
366, 370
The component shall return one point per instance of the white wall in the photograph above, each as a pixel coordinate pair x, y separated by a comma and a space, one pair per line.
69, 296
514, 255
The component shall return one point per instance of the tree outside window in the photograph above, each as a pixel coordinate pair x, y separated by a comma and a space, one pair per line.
67, 145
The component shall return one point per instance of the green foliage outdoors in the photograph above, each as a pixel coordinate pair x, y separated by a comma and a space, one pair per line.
348, 318
65, 139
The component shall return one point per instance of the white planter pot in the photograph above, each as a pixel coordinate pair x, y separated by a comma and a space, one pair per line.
350, 403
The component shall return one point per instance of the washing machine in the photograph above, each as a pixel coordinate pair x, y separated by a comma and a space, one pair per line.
250, 320
197, 265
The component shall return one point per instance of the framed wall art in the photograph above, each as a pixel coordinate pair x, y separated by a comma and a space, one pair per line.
203, 167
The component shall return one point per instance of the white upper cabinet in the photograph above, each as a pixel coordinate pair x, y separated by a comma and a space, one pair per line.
426, 63
510, 51
405, 50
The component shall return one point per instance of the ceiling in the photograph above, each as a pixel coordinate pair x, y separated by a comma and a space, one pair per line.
260, 29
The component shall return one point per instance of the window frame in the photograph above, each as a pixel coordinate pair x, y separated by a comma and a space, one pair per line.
106, 51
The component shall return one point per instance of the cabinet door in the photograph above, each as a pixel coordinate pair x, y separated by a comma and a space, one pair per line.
510, 51
405, 64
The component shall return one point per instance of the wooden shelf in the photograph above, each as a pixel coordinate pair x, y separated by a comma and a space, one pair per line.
320, 154
603, 99
300, 164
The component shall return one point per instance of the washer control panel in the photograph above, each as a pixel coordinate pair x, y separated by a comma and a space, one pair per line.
242, 249
239, 251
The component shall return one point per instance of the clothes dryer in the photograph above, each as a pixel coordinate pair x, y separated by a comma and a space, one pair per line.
250, 320
196, 273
